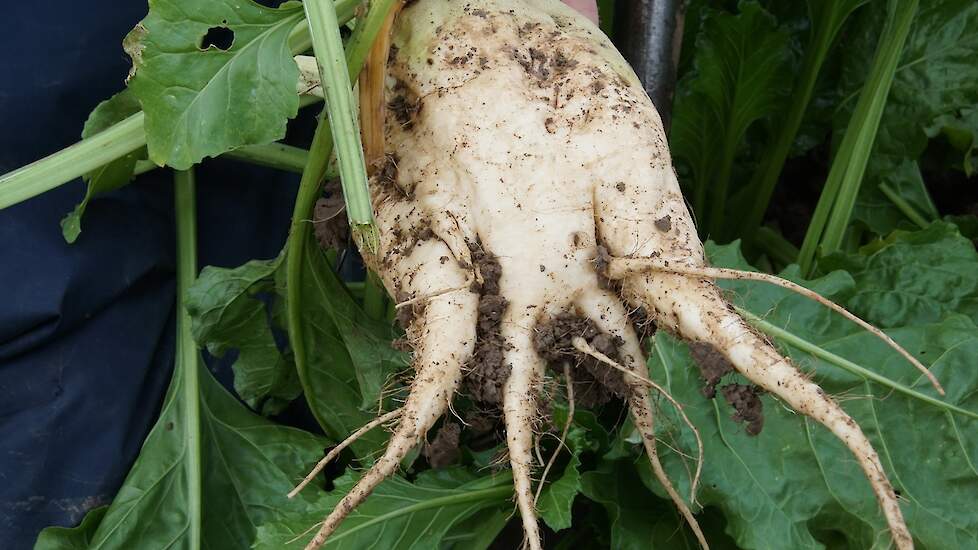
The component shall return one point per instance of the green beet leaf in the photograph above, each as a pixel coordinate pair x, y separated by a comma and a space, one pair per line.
247, 465
557, 498
478, 531
961, 130
795, 483
109, 176
399, 515
738, 77
212, 76
331, 380
227, 314
73, 538
935, 85
913, 277
367, 340
350, 354
639, 520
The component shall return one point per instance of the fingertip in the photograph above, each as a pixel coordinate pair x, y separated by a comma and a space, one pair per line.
588, 8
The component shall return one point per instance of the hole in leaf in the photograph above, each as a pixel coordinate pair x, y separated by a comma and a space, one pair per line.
219, 37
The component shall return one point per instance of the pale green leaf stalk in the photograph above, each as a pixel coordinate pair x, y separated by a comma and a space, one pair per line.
273, 155
827, 17
904, 206
309, 185
831, 217
187, 356
775, 245
366, 31
299, 239
343, 119
374, 297
65, 165
118, 140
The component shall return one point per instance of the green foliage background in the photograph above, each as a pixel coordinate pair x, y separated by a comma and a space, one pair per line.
906, 267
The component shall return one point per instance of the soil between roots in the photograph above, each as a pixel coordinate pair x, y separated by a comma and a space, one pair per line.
443, 450
594, 382
487, 373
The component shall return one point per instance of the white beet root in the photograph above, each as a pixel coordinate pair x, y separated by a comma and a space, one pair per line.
514, 127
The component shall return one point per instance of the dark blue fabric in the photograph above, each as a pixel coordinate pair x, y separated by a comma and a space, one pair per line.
86, 330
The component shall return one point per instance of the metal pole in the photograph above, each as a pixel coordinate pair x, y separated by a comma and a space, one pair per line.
649, 35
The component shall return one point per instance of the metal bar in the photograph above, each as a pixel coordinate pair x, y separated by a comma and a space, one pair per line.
649, 34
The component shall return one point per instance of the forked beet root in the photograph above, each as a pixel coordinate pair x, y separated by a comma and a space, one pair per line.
515, 129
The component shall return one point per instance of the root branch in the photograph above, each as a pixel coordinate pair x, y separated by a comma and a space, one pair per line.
619, 268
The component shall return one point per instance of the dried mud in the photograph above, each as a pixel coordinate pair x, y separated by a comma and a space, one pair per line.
594, 382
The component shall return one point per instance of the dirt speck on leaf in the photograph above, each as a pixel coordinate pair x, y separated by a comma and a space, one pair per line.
747, 404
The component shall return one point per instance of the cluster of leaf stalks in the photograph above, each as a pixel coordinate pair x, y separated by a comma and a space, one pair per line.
755, 95
734, 155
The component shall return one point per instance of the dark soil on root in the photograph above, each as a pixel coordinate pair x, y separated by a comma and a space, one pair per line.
407, 314
489, 269
387, 171
642, 324
405, 106
713, 366
595, 383
745, 399
443, 450
487, 372
747, 404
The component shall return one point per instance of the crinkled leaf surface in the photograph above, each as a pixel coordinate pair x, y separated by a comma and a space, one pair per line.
795, 483
248, 464
109, 176
935, 83
200, 102
398, 515
913, 277
227, 314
